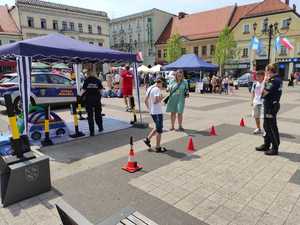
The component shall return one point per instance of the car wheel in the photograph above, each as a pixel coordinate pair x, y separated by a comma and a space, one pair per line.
36, 136
60, 132
18, 104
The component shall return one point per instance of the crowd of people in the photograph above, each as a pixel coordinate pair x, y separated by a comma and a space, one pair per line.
265, 97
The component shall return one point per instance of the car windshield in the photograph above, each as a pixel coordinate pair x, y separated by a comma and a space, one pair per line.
245, 76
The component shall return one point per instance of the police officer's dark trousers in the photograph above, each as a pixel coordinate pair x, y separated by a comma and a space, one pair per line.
94, 111
270, 125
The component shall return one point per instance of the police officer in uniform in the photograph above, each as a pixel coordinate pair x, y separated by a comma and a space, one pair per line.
271, 94
92, 87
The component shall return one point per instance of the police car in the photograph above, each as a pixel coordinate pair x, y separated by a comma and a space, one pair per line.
47, 88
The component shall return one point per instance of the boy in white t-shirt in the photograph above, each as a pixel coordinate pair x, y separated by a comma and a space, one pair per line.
153, 102
257, 101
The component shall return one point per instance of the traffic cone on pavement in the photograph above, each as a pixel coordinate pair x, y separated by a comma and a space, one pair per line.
242, 123
132, 165
190, 146
213, 131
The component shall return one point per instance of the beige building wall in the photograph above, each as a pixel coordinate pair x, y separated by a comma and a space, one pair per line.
21, 14
190, 47
293, 34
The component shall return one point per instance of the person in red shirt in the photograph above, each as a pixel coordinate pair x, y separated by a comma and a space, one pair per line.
127, 85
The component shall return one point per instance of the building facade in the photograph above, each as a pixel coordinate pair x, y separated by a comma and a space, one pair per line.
9, 33
263, 14
199, 32
35, 18
139, 32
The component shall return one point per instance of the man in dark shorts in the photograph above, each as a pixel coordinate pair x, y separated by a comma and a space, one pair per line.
153, 102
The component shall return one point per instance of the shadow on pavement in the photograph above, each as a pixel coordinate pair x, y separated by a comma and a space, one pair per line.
294, 157
82, 148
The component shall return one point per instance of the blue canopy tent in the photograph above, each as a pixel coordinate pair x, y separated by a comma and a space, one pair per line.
191, 62
57, 47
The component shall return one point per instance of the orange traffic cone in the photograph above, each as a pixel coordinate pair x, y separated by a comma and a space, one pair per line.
242, 123
213, 131
131, 166
190, 146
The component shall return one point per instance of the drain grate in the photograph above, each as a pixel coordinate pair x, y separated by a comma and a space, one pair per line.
136, 218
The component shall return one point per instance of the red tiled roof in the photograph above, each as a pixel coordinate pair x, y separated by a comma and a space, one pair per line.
240, 12
199, 25
7, 24
209, 24
268, 6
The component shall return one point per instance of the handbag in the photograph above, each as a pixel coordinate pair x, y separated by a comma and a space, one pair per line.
166, 99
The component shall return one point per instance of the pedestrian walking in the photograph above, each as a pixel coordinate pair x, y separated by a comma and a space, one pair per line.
225, 83
92, 87
179, 90
271, 94
257, 101
153, 102
127, 86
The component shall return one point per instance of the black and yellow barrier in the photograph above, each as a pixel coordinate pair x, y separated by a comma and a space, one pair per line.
79, 109
132, 106
76, 122
135, 122
47, 141
16, 141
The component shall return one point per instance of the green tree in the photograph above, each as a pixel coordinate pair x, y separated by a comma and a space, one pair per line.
174, 48
225, 48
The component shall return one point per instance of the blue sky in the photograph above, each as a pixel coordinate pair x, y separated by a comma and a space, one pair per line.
117, 8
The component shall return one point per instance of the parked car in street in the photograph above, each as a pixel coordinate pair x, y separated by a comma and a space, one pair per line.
245, 79
47, 88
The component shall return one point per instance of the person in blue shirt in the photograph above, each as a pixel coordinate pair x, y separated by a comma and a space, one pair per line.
271, 94
92, 94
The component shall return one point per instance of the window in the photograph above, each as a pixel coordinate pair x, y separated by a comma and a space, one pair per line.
100, 44
55, 79
80, 28
55, 24
245, 52
265, 25
12, 41
196, 50
30, 22
90, 29
183, 51
283, 51
0, 42
212, 50
204, 50
39, 78
72, 27
149, 20
246, 28
99, 30
43, 24
159, 54
91, 43
64, 25
285, 24
165, 53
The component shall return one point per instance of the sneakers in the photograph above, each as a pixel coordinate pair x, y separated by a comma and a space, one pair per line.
257, 131
147, 142
160, 150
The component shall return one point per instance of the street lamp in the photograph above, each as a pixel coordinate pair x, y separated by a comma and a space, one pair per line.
271, 31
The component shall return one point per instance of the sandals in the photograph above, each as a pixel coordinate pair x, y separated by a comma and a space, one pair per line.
160, 150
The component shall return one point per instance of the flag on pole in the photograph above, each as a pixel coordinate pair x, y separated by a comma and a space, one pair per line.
254, 43
277, 43
286, 43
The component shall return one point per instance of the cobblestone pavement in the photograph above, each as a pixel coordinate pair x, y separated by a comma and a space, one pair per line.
229, 184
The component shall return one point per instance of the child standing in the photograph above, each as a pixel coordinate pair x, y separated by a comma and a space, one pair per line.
257, 101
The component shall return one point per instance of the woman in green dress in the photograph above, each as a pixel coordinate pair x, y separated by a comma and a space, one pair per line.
179, 90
